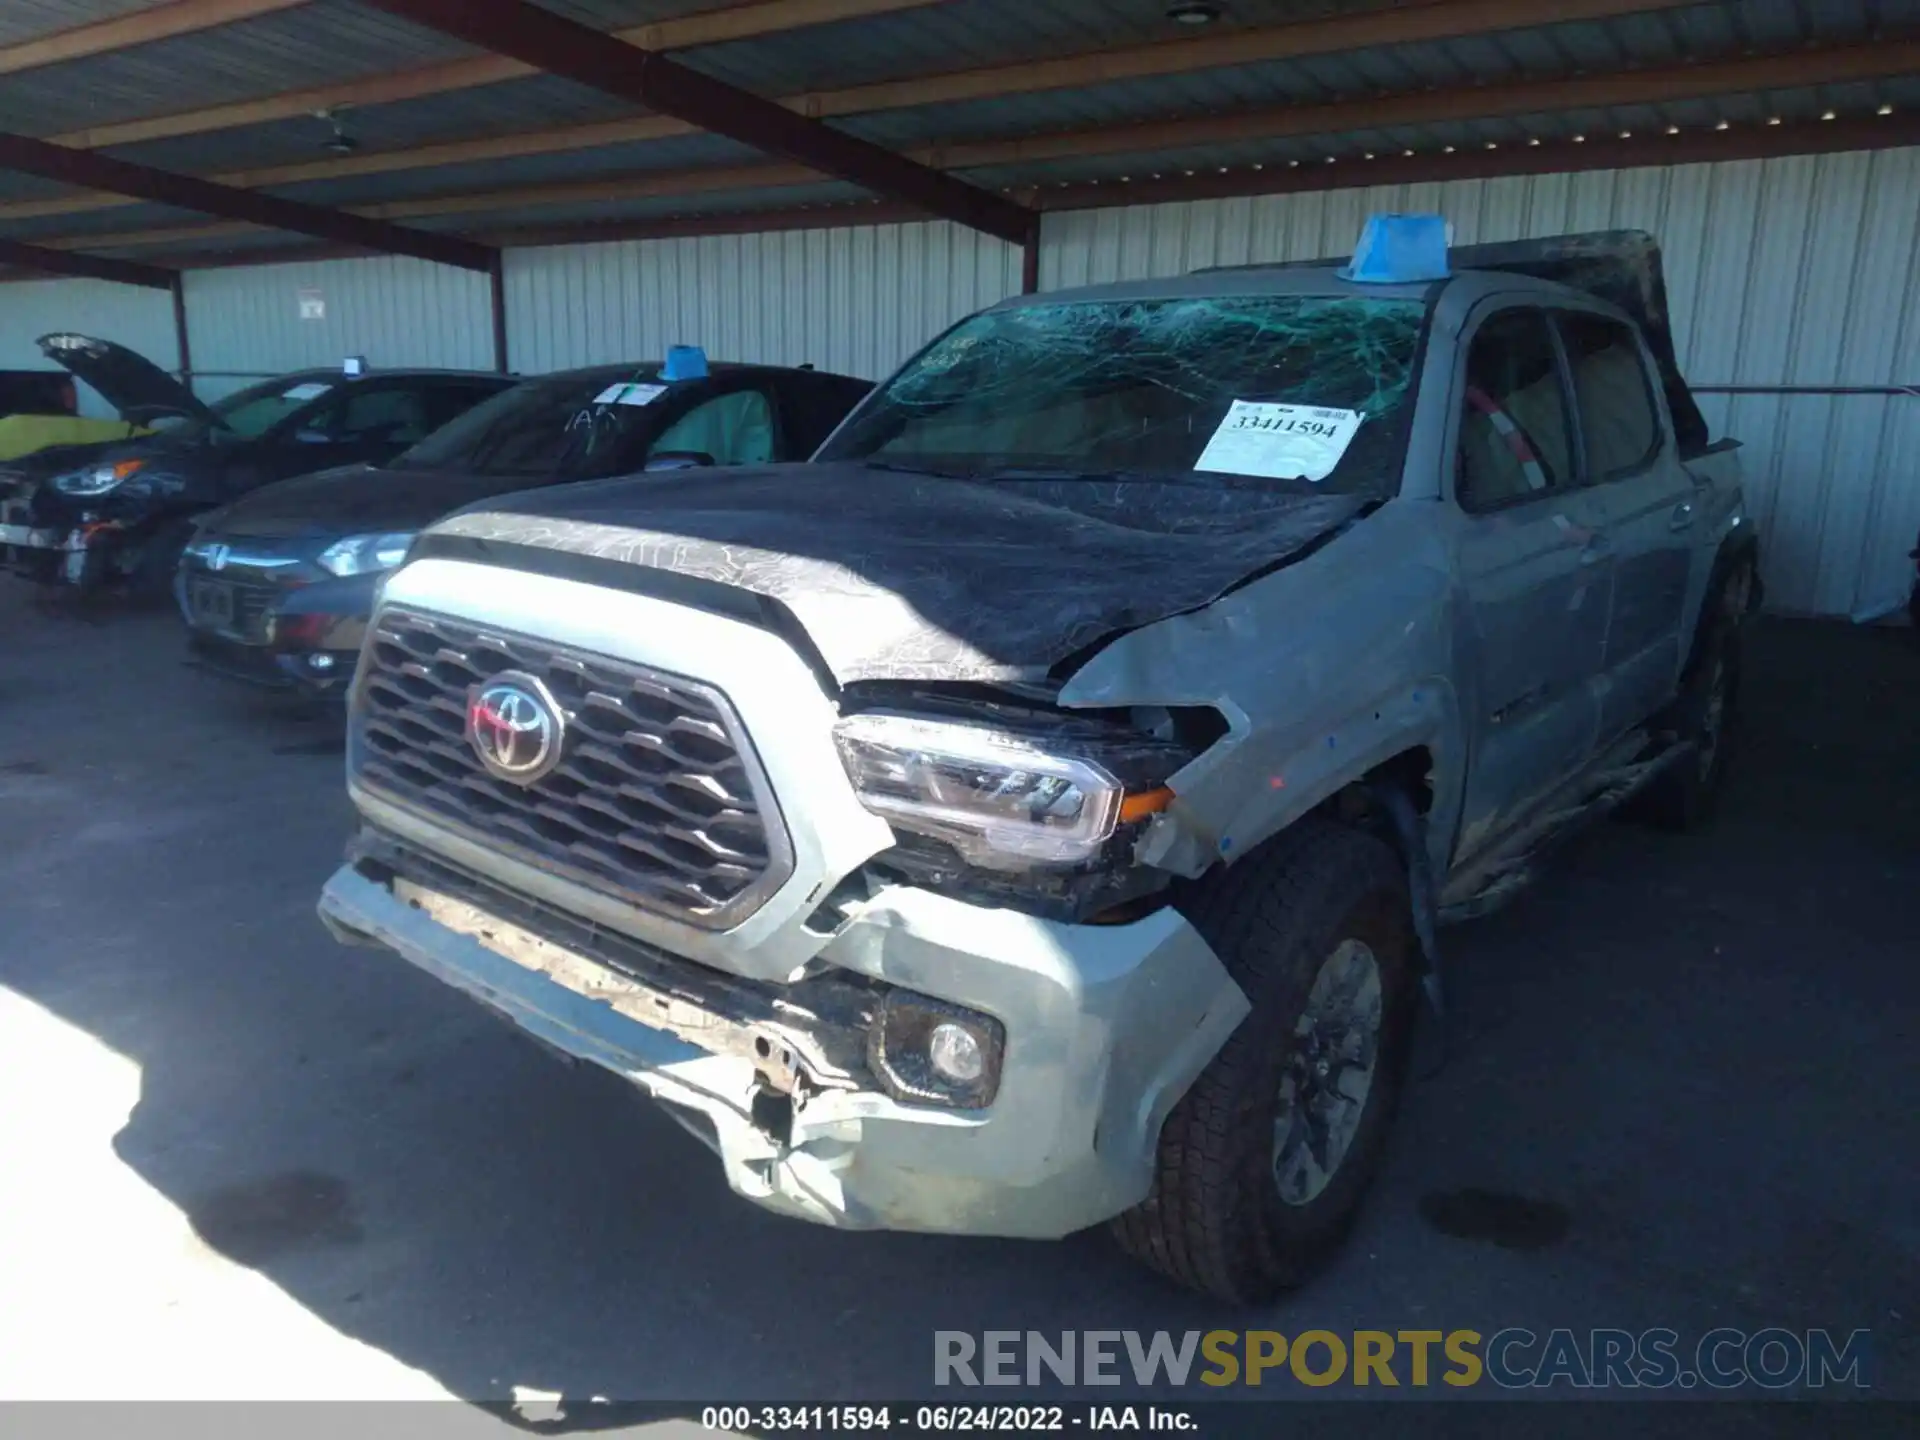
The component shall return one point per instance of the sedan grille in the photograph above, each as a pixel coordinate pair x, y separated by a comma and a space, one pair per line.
238, 609
657, 796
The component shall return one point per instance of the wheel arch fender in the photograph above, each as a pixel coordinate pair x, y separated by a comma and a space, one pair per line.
1259, 780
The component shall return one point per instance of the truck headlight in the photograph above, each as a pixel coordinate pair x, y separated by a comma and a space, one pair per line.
1001, 799
362, 554
96, 479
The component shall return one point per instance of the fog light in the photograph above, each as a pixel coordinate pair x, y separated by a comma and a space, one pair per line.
935, 1052
319, 662
956, 1054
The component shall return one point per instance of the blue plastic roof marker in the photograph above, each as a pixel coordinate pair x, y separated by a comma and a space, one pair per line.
1400, 250
685, 362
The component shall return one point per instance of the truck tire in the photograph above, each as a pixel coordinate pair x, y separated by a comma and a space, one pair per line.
1263, 1164
1685, 796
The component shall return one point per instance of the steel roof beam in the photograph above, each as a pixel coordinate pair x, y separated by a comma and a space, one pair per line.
707, 27
123, 32
187, 192
85, 267
563, 47
1748, 75
1425, 20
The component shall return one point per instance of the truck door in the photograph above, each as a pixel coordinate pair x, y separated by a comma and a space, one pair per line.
1533, 576
1646, 506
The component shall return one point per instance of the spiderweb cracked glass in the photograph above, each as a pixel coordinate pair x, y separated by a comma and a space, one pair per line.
1142, 385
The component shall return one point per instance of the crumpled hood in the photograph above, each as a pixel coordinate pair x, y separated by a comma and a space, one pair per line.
359, 500
908, 577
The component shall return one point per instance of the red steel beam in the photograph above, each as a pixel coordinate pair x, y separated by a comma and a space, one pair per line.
86, 267
590, 57
94, 171
1554, 157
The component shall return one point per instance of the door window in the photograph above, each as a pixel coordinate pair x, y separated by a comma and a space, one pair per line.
387, 416
813, 404
1515, 442
1617, 418
734, 429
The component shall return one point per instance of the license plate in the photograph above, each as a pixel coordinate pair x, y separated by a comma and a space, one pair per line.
211, 603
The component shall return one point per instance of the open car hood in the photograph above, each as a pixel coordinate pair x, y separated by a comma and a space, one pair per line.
901, 576
132, 384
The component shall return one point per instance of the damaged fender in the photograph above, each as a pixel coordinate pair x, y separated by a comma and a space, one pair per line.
1310, 707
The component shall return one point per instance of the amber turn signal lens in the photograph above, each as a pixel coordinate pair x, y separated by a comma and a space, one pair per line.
1143, 804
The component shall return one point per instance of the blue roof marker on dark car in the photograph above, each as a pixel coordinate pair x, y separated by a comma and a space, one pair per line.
684, 362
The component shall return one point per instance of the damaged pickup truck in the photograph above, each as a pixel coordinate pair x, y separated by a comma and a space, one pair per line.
1037, 810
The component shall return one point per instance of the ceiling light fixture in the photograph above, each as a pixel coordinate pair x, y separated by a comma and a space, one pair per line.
1723, 125
1193, 12
340, 142
1884, 110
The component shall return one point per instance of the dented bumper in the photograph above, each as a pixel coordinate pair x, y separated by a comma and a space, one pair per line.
1106, 1026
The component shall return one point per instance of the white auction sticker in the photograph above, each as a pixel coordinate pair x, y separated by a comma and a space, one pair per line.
1282, 442
629, 393
306, 390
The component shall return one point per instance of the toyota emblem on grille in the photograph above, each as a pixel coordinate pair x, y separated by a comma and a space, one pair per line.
515, 727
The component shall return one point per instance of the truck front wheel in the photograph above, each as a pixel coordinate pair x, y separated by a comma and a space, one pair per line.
1263, 1164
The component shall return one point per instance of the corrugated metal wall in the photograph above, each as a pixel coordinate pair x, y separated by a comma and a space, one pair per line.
392, 309
1796, 271
856, 300
129, 315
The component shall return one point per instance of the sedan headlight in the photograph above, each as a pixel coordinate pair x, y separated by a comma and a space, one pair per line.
362, 554
96, 479
1001, 799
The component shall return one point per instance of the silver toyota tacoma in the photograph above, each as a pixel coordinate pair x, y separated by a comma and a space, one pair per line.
1039, 809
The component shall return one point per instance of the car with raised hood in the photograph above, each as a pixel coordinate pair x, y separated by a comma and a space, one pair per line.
40, 408
277, 587
120, 512
1039, 810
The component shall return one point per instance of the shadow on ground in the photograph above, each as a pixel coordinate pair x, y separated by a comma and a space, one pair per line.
1694, 1055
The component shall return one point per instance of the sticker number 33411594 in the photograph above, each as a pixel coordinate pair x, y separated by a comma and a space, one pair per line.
1282, 442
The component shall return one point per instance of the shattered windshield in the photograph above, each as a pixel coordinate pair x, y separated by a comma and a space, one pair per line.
579, 425
1303, 390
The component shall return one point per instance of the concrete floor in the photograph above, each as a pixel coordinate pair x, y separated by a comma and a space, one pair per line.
240, 1160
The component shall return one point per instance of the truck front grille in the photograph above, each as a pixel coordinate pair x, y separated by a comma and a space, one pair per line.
657, 796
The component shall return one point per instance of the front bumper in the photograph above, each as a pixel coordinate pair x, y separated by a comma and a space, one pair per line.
1106, 1028
56, 553
30, 537
323, 673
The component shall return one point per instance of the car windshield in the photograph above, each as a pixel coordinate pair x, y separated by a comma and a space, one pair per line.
583, 426
1289, 390
248, 414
